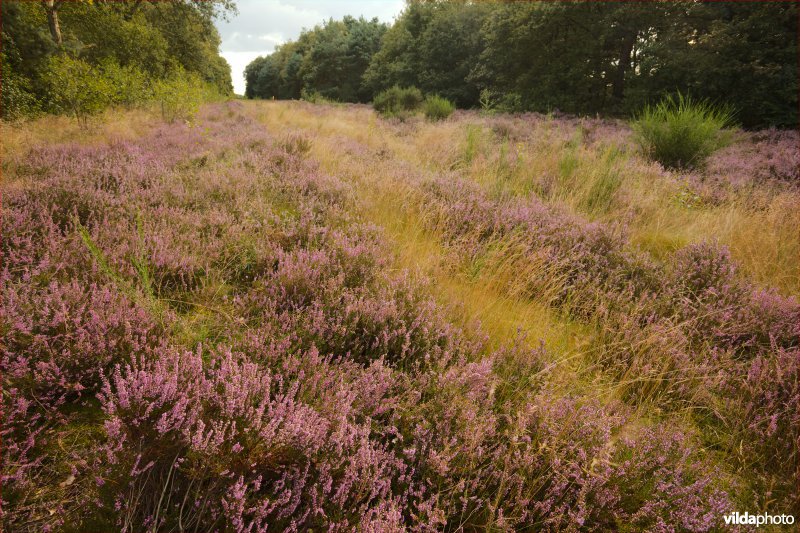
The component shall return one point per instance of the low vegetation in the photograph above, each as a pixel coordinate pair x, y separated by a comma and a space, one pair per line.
437, 108
400, 102
269, 318
681, 133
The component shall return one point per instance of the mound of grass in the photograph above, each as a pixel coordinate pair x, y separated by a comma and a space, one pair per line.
681, 133
438, 108
398, 101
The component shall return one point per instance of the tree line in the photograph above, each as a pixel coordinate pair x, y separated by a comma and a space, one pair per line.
574, 57
83, 55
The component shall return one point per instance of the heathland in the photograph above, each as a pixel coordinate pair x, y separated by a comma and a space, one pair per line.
285, 315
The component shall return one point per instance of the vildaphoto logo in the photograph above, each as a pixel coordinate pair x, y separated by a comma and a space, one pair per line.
747, 519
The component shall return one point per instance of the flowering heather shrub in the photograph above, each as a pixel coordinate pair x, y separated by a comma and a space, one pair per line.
61, 337
332, 298
241, 445
255, 449
682, 499
593, 268
721, 308
657, 322
582, 258
499, 471
759, 157
760, 397
58, 339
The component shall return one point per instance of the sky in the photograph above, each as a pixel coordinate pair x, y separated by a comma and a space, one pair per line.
261, 25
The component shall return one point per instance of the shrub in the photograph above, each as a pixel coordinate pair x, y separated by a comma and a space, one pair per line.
180, 96
438, 108
240, 446
682, 133
18, 101
397, 101
487, 100
128, 85
510, 103
76, 87
315, 97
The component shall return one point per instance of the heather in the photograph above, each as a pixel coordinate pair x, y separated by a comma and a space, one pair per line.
270, 319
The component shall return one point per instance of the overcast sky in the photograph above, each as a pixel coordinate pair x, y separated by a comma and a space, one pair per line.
261, 25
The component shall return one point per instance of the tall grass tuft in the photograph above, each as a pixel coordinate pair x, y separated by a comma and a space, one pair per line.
397, 101
681, 133
437, 108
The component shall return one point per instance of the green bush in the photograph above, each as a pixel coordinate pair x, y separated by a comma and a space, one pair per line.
487, 101
681, 133
129, 85
180, 95
410, 98
438, 108
397, 101
76, 87
18, 101
510, 103
315, 97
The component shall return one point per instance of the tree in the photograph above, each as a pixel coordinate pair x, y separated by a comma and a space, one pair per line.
329, 59
433, 46
122, 39
738, 53
51, 9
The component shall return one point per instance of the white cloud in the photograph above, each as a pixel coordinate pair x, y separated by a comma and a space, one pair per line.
261, 25
238, 61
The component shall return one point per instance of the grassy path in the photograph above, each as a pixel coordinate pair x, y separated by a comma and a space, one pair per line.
387, 200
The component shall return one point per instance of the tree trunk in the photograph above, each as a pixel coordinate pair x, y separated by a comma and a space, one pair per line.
51, 8
618, 83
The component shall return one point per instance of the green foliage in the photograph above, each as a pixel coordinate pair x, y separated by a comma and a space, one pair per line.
472, 143
570, 57
433, 46
486, 101
438, 108
681, 133
510, 103
314, 97
130, 86
76, 87
328, 61
397, 101
111, 53
573, 57
17, 100
601, 193
738, 52
180, 96
611, 57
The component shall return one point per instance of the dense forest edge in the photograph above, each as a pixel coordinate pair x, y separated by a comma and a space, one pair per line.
79, 58
587, 58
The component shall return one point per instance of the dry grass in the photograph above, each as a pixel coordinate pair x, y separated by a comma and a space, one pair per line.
497, 292
111, 125
385, 200
600, 181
